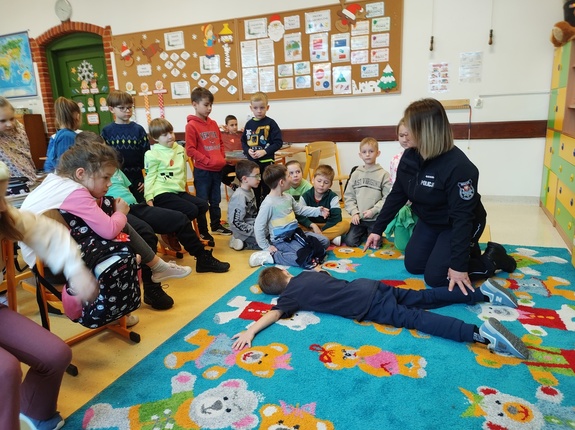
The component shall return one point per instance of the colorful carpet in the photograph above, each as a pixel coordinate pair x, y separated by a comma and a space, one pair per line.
318, 371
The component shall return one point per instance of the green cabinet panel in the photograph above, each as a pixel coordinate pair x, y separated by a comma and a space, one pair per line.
544, 181
552, 108
564, 220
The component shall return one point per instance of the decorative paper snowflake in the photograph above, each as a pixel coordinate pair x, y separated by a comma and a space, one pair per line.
85, 71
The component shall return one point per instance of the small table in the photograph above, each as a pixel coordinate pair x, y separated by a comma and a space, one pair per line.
287, 151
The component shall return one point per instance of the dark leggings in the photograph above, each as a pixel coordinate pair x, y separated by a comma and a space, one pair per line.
428, 252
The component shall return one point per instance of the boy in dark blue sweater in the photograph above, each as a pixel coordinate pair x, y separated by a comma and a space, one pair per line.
128, 138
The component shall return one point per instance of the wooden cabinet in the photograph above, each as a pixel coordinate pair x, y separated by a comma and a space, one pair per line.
34, 126
557, 197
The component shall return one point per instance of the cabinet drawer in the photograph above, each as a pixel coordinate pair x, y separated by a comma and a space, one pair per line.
567, 148
564, 220
566, 173
551, 193
551, 144
566, 196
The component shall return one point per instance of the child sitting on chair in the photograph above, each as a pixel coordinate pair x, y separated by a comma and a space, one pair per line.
321, 195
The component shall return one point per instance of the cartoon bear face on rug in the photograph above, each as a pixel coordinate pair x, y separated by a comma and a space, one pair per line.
339, 266
371, 359
262, 361
287, 417
230, 404
215, 354
348, 252
504, 411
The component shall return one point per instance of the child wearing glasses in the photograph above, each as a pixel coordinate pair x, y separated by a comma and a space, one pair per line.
242, 207
128, 138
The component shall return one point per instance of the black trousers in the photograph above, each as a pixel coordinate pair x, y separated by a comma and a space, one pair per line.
428, 252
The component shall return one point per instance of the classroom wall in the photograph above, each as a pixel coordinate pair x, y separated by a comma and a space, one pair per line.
516, 70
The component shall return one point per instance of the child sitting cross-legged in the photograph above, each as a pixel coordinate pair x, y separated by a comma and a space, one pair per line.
372, 300
277, 217
242, 208
321, 195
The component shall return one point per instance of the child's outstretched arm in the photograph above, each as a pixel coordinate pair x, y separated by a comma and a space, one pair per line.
244, 339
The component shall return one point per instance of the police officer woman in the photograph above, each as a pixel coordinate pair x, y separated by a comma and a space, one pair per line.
441, 183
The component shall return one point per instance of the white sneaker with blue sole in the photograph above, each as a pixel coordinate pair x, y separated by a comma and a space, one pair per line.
502, 340
259, 258
497, 294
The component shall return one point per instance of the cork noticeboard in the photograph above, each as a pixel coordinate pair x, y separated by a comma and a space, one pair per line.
338, 50
161, 67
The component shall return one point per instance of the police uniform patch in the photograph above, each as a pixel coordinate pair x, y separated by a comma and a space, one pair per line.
466, 190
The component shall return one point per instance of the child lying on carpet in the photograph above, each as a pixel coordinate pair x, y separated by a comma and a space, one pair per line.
371, 300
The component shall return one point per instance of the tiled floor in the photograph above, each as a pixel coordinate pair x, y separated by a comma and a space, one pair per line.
105, 357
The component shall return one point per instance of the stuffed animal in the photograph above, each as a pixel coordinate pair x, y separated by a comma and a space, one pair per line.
564, 31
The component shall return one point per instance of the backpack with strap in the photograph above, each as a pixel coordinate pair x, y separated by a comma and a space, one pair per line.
114, 266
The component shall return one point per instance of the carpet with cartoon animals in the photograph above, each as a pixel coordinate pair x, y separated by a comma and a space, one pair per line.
318, 371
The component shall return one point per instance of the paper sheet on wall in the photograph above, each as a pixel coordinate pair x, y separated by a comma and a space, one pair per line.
322, 77
438, 77
256, 28
250, 80
265, 49
292, 47
316, 22
342, 80
340, 47
318, 47
249, 53
470, 67
267, 78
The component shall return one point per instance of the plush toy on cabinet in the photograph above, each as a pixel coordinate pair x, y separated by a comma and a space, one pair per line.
564, 31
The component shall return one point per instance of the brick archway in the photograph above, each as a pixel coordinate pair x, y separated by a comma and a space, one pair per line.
38, 48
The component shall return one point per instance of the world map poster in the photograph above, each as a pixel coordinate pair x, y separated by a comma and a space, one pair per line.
16, 67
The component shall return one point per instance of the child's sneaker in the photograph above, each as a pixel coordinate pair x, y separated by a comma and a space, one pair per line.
157, 298
221, 230
336, 241
497, 294
502, 340
172, 241
259, 258
172, 271
132, 320
208, 238
54, 423
206, 262
236, 244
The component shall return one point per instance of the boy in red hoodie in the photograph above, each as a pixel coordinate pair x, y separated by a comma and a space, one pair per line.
204, 144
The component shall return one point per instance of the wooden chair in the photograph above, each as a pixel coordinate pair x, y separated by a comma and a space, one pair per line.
321, 152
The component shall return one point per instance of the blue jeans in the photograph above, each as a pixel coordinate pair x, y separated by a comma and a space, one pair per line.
286, 254
207, 186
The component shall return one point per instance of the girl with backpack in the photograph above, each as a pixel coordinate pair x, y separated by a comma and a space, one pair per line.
97, 223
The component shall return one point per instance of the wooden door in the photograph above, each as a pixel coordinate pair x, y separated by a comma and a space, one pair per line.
77, 67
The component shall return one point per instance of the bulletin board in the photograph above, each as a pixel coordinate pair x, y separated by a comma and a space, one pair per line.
339, 50
344, 49
162, 67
